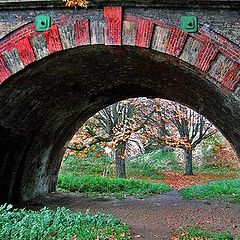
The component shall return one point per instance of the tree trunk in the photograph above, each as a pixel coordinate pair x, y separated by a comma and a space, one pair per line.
120, 160
188, 162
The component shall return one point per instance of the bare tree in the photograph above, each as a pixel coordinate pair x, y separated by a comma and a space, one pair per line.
157, 121
112, 128
175, 125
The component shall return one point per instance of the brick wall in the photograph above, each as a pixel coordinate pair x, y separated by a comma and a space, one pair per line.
210, 50
226, 22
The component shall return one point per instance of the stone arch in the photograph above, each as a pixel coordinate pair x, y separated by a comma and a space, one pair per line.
211, 53
52, 82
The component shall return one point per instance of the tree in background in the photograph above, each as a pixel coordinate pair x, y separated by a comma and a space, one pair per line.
177, 126
111, 128
219, 153
152, 121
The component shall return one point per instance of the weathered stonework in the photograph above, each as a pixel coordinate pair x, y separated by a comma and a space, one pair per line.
198, 49
53, 81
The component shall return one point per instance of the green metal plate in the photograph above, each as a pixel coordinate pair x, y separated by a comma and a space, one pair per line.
189, 24
43, 23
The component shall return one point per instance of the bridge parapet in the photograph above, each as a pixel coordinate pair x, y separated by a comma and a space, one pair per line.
203, 4
208, 51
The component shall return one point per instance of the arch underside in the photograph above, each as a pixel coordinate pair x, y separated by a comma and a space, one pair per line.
43, 105
51, 82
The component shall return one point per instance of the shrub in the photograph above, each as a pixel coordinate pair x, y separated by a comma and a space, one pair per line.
110, 187
189, 233
227, 189
58, 225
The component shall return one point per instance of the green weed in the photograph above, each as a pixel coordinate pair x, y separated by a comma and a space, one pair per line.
89, 185
227, 189
58, 225
190, 233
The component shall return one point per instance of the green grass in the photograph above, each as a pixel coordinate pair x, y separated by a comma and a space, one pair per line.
190, 233
58, 225
100, 186
147, 166
150, 165
87, 166
222, 171
226, 189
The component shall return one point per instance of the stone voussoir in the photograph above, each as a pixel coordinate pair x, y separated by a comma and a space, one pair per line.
208, 51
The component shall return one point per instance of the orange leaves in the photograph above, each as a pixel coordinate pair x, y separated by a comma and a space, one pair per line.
179, 180
75, 3
142, 123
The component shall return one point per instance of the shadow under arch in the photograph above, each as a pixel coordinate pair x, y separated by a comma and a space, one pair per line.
43, 105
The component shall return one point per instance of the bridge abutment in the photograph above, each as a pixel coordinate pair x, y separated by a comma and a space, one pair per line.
51, 82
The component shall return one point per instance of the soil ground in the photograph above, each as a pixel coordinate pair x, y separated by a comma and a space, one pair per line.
158, 217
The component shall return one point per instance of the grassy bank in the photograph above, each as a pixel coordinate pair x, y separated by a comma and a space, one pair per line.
197, 233
147, 166
226, 189
58, 225
97, 186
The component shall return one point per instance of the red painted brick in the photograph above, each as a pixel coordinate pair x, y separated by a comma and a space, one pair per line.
226, 47
144, 33
232, 77
201, 37
8, 42
82, 33
160, 23
4, 72
230, 52
113, 25
130, 18
206, 55
176, 41
25, 51
53, 40
63, 20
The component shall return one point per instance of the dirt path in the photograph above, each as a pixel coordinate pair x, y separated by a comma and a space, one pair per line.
159, 217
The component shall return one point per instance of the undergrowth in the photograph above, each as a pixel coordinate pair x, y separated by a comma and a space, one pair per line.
89, 185
226, 189
190, 233
60, 224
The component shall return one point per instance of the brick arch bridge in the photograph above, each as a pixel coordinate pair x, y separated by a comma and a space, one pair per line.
51, 82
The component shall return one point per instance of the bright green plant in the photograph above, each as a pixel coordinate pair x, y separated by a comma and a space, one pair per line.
227, 189
61, 224
190, 233
146, 166
110, 187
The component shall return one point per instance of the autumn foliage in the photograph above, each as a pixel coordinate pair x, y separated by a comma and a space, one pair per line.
75, 3
141, 123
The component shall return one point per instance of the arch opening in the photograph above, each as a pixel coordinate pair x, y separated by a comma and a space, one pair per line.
43, 105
